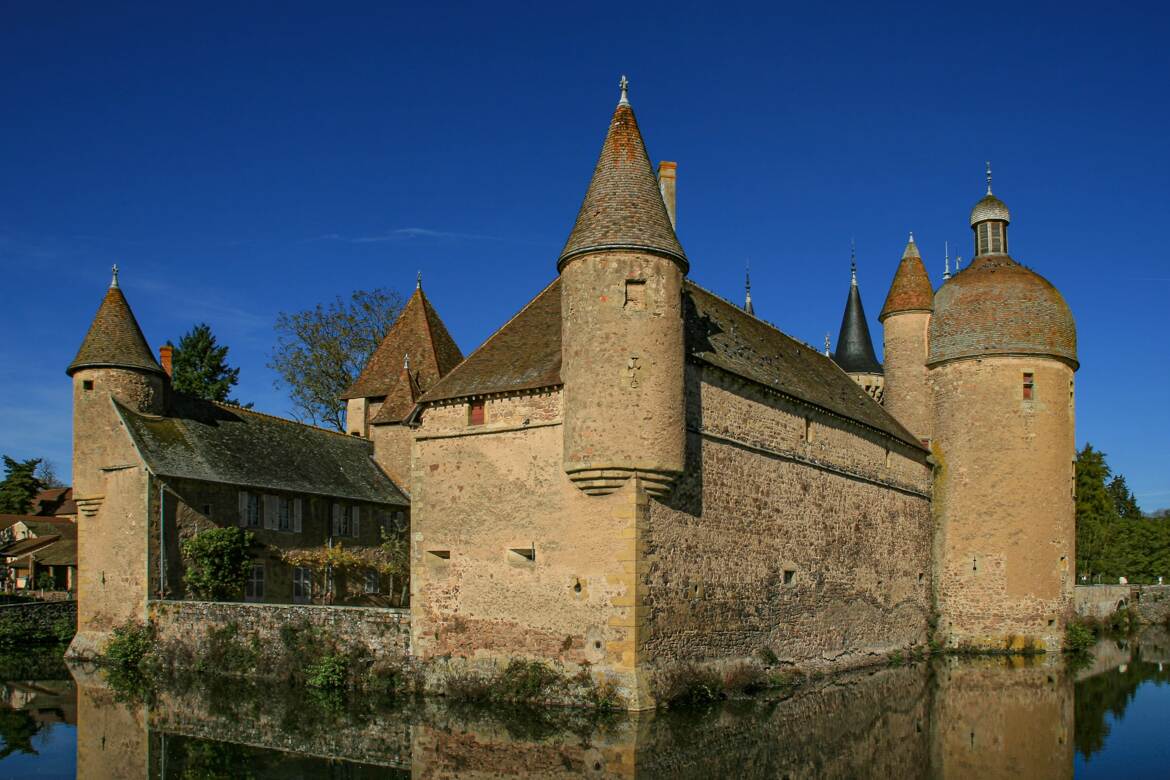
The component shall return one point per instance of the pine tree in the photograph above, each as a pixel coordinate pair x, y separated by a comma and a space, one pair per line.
1124, 501
200, 366
20, 486
1096, 513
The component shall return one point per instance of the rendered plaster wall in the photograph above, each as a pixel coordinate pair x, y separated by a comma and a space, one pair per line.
484, 499
790, 530
1003, 501
906, 395
392, 445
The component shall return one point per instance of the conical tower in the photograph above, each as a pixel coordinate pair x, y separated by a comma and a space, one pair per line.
113, 366
905, 319
1001, 360
622, 329
855, 353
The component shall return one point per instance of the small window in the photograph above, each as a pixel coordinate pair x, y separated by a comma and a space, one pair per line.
284, 513
207, 510
302, 585
475, 412
254, 586
789, 576
984, 239
252, 510
808, 433
372, 584
522, 554
996, 237
441, 554
1029, 386
635, 294
87, 384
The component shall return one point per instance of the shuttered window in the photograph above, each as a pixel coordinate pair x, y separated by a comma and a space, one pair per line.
250, 513
302, 585
254, 585
475, 412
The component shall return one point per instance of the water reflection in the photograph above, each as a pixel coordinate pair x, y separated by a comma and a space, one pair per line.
952, 717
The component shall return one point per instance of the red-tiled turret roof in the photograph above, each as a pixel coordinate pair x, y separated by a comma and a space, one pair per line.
910, 290
114, 338
623, 207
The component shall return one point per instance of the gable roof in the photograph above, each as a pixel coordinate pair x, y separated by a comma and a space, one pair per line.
216, 442
623, 207
525, 354
114, 339
63, 552
419, 333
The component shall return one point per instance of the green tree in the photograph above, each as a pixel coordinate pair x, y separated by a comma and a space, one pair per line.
20, 485
320, 351
200, 366
1124, 502
217, 563
1095, 510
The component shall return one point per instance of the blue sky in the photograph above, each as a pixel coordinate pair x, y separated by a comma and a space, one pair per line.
241, 159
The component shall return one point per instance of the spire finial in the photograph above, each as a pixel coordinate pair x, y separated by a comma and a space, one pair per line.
747, 288
958, 260
418, 281
114, 279
853, 262
911, 236
827, 345
625, 85
946, 260
406, 362
989, 177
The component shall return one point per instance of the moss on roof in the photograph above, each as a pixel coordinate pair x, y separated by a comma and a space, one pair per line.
226, 444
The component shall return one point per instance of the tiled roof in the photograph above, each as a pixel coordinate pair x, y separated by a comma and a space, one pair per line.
911, 289
854, 351
114, 339
997, 306
27, 545
525, 354
61, 553
990, 207
400, 399
226, 444
419, 333
623, 207
46, 526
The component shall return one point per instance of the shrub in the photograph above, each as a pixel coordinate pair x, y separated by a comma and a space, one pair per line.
46, 581
1078, 638
688, 684
217, 563
64, 628
744, 678
226, 652
330, 673
129, 647
767, 656
527, 681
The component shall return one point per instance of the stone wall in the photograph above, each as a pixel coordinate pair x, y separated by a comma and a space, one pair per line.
790, 530
385, 633
1003, 501
906, 395
1152, 602
37, 621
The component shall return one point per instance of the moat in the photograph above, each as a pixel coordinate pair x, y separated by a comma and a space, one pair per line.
947, 717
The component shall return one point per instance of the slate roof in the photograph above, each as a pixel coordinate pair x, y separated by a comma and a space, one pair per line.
226, 444
61, 553
525, 354
419, 333
114, 339
911, 289
623, 207
997, 306
27, 545
854, 344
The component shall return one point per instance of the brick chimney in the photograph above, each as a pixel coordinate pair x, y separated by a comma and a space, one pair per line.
667, 177
165, 352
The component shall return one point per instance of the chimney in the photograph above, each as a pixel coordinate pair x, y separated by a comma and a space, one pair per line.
667, 176
164, 356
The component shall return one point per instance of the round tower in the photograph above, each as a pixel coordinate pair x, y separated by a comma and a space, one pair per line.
905, 320
622, 271
114, 361
1001, 361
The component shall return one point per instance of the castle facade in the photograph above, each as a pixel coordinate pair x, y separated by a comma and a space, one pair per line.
633, 473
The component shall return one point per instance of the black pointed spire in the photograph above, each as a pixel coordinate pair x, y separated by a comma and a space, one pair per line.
854, 346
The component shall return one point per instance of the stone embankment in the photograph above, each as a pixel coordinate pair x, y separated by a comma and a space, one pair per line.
38, 621
1151, 602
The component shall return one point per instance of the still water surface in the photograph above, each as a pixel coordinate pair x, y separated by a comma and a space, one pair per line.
959, 718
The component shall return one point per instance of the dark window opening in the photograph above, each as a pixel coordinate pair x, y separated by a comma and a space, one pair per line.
207, 510
1029, 386
635, 294
443, 554
87, 384
522, 554
475, 412
789, 576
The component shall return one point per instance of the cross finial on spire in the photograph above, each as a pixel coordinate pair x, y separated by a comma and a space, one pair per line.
989, 177
418, 281
625, 85
853, 262
946, 260
114, 279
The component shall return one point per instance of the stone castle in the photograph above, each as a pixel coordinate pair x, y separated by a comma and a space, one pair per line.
632, 473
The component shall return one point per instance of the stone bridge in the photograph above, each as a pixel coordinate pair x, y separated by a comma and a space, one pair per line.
1151, 601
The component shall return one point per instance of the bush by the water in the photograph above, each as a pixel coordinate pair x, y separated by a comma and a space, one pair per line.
1078, 638
217, 563
129, 647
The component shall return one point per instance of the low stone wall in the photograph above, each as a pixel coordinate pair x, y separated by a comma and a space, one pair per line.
384, 633
39, 621
1152, 602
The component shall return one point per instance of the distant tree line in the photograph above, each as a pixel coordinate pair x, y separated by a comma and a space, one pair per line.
1114, 538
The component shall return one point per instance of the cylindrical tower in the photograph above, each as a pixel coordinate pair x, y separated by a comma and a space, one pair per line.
1001, 361
905, 320
621, 324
